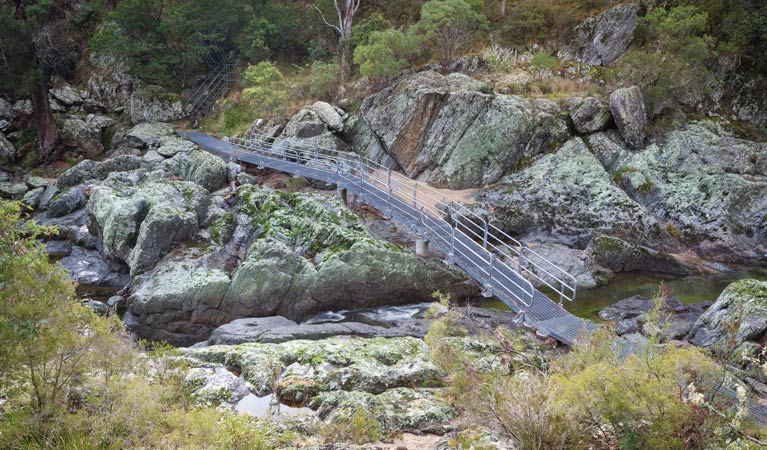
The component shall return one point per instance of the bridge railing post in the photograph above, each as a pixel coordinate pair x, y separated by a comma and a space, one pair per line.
452, 235
484, 239
388, 188
492, 264
415, 195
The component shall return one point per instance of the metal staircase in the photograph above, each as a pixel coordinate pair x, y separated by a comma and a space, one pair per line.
214, 87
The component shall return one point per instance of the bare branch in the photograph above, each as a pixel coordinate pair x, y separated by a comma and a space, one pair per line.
327, 23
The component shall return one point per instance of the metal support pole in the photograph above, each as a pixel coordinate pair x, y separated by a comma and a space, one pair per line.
452, 235
484, 240
492, 260
415, 194
388, 187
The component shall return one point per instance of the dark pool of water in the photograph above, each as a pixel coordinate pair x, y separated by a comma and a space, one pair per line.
690, 289
99, 293
267, 407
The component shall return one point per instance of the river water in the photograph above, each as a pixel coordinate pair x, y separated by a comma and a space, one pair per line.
690, 289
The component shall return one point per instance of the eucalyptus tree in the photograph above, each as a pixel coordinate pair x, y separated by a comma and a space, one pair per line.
345, 10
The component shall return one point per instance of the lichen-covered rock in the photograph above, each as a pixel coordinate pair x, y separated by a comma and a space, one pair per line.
450, 131
739, 315
86, 267
247, 330
67, 201
567, 194
213, 385
140, 222
627, 107
86, 136
32, 198
205, 169
329, 115
708, 188
93, 170
13, 190
155, 105
301, 254
7, 150
175, 301
67, 95
171, 146
111, 86
399, 409
337, 263
279, 329
339, 363
37, 182
621, 256
6, 110
148, 135
589, 114
267, 128
601, 39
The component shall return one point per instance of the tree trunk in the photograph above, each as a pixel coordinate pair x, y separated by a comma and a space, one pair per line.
503, 8
345, 66
47, 136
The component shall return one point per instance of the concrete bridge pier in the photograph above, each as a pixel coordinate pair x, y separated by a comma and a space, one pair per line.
342, 194
422, 247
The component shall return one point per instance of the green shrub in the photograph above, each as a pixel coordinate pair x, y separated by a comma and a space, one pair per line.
387, 52
360, 428
295, 184
543, 62
265, 88
451, 25
325, 80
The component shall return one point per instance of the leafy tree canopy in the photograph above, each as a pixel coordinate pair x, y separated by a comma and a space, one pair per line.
451, 24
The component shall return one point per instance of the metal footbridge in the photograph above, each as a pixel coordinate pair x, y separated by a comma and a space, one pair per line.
504, 267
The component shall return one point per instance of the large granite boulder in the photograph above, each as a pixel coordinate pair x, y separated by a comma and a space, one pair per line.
601, 39
452, 132
97, 170
567, 194
621, 256
329, 115
11, 190
628, 109
737, 318
299, 371
148, 135
278, 329
111, 85
86, 136
152, 104
139, 222
291, 255
630, 316
67, 95
203, 168
7, 150
86, 267
177, 302
67, 201
589, 114
708, 188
